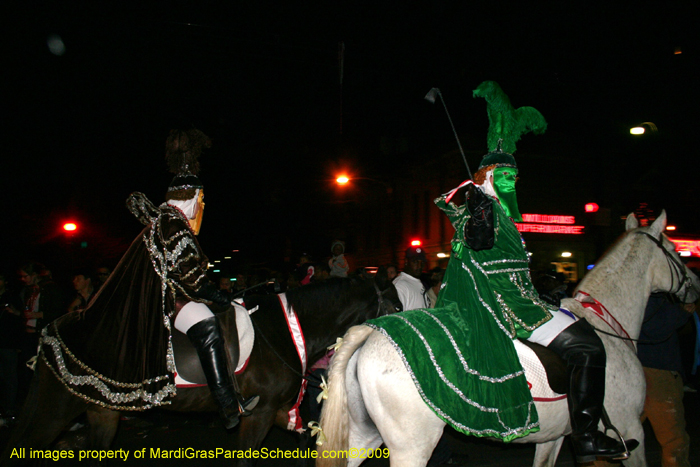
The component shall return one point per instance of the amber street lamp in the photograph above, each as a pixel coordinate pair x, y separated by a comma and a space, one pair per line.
640, 130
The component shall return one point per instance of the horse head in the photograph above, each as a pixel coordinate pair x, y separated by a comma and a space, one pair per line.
670, 274
386, 292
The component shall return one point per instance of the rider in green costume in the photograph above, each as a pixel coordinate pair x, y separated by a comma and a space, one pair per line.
487, 300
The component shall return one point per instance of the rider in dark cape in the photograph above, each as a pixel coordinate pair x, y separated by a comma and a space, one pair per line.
487, 299
118, 352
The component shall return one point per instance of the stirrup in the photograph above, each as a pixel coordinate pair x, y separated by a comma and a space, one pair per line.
246, 406
230, 416
597, 446
629, 445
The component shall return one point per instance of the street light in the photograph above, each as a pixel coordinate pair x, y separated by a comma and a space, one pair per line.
359, 200
640, 130
344, 179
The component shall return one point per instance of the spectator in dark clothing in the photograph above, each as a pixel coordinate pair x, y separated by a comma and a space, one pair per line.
226, 288
42, 302
101, 275
10, 340
660, 354
83, 284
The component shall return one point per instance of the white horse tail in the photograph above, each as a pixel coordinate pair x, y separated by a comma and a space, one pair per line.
335, 414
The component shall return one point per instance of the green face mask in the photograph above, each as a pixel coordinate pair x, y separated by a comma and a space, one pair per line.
504, 185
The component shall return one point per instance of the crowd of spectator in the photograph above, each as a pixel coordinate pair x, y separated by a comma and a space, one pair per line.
31, 298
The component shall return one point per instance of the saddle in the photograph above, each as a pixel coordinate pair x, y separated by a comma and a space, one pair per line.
535, 358
188, 368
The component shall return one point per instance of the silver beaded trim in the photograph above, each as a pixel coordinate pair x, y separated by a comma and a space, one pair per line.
168, 261
502, 261
167, 255
464, 363
508, 431
99, 382
511, 333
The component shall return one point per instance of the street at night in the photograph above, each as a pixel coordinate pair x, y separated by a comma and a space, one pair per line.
357, 160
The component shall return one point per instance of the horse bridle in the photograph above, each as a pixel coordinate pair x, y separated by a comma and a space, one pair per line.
380, 298
675, 266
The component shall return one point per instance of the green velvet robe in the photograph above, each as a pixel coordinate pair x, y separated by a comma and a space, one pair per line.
460, 354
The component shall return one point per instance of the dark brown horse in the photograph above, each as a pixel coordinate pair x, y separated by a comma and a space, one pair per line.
325, 310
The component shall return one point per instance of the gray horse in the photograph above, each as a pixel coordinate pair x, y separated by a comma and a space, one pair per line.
373, 399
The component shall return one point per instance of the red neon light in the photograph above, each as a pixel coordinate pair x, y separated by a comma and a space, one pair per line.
693, 246
547, 219
550, 228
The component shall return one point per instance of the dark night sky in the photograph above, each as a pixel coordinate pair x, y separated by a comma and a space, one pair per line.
84, 129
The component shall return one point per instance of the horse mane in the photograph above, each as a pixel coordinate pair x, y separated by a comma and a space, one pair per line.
349, 294
610, 261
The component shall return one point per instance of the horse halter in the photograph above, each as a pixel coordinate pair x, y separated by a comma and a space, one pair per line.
675, 266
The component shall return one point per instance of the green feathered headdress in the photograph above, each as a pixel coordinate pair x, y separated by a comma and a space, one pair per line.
506, 124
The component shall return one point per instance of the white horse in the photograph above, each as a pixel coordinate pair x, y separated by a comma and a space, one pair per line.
373, 399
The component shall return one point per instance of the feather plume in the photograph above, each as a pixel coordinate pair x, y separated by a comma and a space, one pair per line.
506, 122
183, 148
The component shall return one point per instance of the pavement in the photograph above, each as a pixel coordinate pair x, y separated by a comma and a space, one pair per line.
172, 433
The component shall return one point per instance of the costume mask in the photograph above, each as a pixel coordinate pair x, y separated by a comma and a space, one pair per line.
504, 185
192, 208
196, 223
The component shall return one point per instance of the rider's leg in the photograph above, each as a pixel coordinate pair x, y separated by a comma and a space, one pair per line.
581, 348
202, 328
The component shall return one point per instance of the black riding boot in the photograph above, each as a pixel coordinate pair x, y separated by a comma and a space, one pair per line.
206, 338
583, 351
586, 393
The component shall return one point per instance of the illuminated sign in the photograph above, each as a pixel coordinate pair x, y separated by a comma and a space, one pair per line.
549, 224
547, 219
550, 228
687, 245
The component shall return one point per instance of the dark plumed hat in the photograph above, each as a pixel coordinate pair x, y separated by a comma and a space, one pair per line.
182, 151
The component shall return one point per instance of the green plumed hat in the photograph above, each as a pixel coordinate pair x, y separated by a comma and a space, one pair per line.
506, 125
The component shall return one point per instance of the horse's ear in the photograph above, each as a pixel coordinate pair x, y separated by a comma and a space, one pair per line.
631, 222
659, 225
